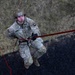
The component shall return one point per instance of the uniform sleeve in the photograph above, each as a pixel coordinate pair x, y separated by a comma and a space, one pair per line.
10, 33
35, 29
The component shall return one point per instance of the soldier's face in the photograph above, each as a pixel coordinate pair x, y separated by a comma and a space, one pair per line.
21, 19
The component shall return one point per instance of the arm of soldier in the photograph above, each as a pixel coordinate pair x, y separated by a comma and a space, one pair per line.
35, 28
10, 33
35, 31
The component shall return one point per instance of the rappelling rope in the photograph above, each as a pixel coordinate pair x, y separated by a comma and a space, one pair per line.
6, 62
46, 35
63, 32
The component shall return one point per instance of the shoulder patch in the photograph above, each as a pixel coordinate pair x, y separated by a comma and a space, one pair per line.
30, 20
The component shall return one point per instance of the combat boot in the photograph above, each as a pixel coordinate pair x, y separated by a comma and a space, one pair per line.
36, 62
26, 66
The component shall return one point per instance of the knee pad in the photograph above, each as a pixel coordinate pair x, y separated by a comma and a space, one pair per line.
42, 50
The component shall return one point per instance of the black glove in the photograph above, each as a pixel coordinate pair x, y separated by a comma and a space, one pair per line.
34, 36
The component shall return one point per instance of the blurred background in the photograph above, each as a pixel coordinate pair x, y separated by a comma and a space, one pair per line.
51, 15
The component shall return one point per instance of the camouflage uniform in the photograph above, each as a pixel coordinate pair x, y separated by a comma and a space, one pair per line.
25, 32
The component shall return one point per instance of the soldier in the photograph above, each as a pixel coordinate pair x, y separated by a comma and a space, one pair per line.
26, 31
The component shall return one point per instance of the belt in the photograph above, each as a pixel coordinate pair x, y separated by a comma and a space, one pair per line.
21, 41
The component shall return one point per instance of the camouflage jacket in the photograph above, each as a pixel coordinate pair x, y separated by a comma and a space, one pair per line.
25, 31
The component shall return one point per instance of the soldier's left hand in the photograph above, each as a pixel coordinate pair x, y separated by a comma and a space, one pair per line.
34, 36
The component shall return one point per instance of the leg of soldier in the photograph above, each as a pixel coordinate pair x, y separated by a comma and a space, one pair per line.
40, 50
25, 54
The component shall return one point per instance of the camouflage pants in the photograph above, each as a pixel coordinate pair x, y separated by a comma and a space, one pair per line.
25, 53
